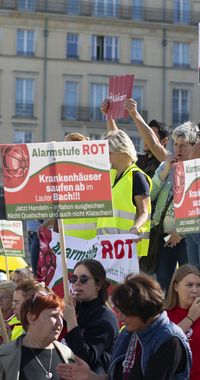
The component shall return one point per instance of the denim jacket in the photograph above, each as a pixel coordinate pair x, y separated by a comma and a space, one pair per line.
160, 191
150, 340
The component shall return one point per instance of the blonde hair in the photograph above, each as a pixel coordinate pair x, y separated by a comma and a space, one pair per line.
120, 142
75, 136
172, 299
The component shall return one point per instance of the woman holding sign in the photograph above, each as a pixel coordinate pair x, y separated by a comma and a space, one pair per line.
130, 193
92, 327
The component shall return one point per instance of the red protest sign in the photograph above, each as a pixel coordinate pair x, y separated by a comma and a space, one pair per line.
120, 88
56, 180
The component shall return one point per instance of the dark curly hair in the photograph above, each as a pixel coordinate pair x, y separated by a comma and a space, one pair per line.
140, 295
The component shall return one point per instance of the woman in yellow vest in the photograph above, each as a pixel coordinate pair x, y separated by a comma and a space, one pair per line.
7, 289
130, 193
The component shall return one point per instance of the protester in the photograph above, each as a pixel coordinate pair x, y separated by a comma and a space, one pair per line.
23, 291
130, 193
75, 136
91, 325
146, 161
36, 354
82, 228
33, 242
173, 250
183, 308
21, 274
7, 289
147, 134
150, 347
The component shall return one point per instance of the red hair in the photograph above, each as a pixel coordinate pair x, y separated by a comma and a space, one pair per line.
37, 303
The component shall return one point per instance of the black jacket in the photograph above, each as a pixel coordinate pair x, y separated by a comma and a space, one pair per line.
93, 339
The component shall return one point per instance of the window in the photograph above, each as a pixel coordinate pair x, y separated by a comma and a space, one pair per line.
136, 50
70, 100
73, 7
106, 8
24, 97
105, 48
181, 54
137, 9
72, 45
180, 106
138, 96
98, 92
182, 11
25, 42
23, 137
26, 5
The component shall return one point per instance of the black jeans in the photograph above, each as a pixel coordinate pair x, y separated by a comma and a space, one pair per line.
168, 259
34, 248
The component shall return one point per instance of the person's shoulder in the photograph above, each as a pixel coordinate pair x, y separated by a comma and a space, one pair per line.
108, 316
64, 350
8, 348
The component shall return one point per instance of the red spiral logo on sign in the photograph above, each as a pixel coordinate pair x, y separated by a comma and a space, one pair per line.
178, 182
15, 164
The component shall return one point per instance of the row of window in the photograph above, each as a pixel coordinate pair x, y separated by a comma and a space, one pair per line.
25, 100
107, 8
104, 48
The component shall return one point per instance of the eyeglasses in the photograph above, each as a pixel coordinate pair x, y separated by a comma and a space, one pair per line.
83, 279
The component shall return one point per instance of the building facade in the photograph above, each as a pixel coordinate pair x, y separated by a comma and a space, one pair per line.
56, 58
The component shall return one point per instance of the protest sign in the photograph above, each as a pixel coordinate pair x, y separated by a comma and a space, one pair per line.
117, 253
186, 188
60, 180
11, 238
120, 88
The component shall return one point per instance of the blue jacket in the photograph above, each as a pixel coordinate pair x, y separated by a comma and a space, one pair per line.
150, 340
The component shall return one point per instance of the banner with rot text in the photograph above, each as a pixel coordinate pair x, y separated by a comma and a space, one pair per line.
11, 238
120, 89
56, 180
117, 253
186, 188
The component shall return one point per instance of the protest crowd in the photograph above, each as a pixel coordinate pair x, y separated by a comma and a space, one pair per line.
145, 327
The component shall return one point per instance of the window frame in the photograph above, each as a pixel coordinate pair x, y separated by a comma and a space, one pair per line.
73, 44
137, 52
25, 38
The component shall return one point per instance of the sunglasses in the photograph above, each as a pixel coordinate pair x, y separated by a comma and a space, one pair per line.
83, 279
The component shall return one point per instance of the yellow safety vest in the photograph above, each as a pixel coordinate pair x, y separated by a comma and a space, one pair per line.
16, 327
124, 211
85, 228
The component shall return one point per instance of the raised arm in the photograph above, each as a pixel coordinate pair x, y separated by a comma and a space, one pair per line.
145, 132
111, 125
